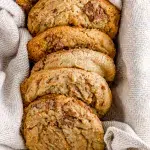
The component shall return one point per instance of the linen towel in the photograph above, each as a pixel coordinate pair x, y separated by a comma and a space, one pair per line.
131, 89
127, 124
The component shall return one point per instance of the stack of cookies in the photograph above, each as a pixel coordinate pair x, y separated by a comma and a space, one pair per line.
67, 91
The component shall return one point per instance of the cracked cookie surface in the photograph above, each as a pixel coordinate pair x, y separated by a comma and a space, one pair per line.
26, 4
57, 122
89, 87
85, 59
98, 14
65, 37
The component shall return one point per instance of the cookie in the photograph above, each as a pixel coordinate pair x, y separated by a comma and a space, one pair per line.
85, 59
65, 37
89, 87
61, 123
97, 14
26, 4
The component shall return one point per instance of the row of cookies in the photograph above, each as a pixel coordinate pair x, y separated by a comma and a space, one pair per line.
67, 89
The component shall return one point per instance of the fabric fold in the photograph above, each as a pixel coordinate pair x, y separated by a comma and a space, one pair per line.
14, 67
120, 136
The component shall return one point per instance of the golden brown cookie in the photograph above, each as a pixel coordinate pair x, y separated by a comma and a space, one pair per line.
65, 37
89, 87
98, 14
85, 59
26, 4
61, 123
